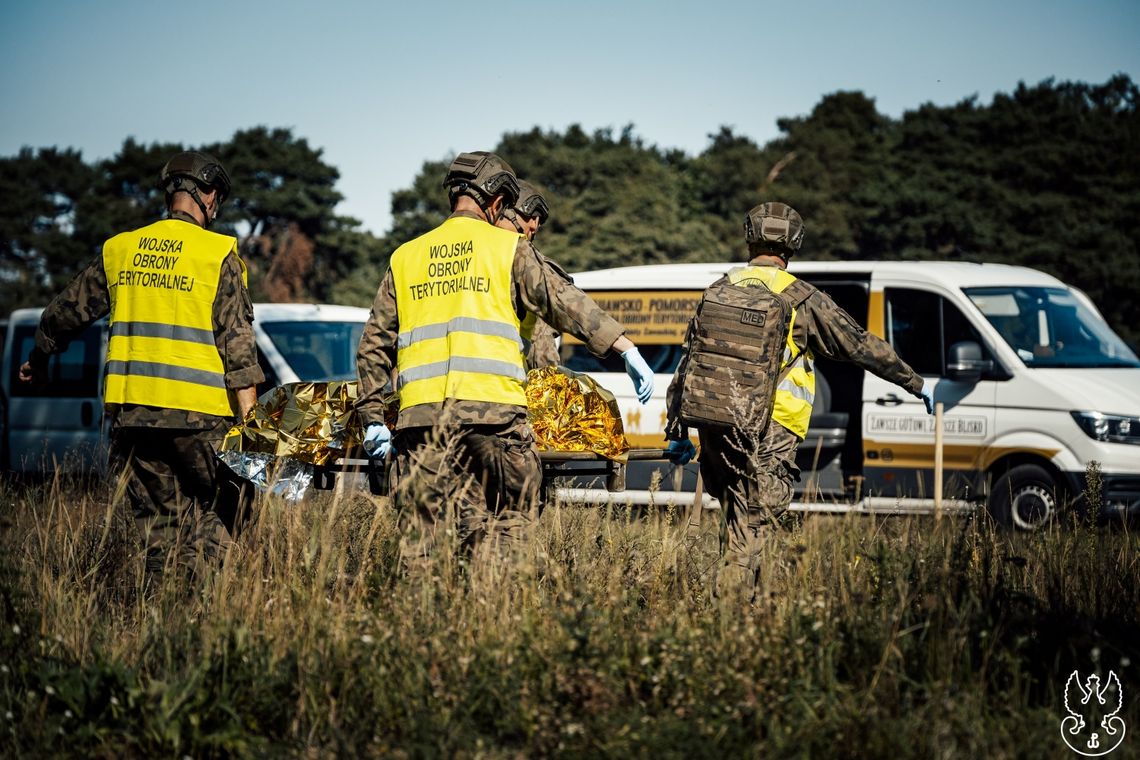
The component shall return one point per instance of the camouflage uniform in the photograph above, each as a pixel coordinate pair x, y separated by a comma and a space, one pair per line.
752, 474
542, 350
168, 454
483, 478
542, 347
483, 444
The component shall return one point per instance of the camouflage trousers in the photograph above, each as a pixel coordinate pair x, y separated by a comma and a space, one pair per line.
753, 480
464, 485
171, 479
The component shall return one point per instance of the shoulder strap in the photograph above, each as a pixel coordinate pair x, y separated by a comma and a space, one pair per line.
798, 292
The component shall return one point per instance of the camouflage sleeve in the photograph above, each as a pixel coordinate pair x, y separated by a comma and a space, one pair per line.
84, 300
542, 351
833, 334
233, 327
675, 430
376, 357
542, 288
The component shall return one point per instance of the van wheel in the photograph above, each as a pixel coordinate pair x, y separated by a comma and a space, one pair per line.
1024, 498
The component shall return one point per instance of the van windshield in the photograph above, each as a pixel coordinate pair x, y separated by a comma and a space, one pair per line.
1051, 327
317, 351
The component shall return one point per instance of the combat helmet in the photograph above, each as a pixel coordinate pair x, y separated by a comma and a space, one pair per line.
531, 206
192, 172
482, 176
531, 202
775, 227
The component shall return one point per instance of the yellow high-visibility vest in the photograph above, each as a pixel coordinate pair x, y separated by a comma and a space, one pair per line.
795, 393
162, 279
459, 334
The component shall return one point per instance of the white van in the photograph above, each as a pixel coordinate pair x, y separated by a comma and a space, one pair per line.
61, 426
1035, 384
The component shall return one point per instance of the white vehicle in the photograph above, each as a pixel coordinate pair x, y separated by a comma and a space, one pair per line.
1034, 383
61, 427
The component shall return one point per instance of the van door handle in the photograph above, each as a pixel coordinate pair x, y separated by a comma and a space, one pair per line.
86, 414
888, 400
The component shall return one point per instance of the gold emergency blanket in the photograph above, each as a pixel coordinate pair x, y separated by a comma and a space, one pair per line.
569, 411
293, 428
310, 422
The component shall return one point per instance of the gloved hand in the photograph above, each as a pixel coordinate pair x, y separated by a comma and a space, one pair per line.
927, 394
681, 452
377, 440
640, 373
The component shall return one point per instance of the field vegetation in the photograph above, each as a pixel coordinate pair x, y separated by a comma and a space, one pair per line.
866, 637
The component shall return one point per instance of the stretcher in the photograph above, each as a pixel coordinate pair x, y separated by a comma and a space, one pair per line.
555, 464
562, 464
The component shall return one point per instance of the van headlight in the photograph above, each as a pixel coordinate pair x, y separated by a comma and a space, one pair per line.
1114, 428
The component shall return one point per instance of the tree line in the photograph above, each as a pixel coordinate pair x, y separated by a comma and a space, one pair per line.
1047, 176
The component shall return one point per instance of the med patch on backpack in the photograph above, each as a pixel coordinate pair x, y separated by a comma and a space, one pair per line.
736, 349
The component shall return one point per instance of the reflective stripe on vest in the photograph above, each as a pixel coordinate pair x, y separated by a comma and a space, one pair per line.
458, 324
167, 372
795, 393
161, 352
159, 330
459, 333
460, 364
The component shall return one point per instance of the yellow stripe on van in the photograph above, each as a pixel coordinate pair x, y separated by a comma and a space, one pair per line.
876, 315
648, 440
954, 456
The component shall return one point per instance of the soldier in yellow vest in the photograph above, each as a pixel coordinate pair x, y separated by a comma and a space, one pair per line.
752, 472
181, 358
526, 216
447, 324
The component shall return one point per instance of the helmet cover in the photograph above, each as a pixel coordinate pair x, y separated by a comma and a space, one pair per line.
482, 175
776, 225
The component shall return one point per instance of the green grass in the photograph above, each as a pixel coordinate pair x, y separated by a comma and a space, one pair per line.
868, 637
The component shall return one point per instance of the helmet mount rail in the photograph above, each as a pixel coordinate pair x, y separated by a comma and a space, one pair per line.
482, 176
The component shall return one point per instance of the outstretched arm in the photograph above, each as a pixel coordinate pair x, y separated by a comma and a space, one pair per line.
81, 302
542, 288
833, 334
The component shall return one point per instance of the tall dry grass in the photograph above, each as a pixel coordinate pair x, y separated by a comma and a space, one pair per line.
867, 637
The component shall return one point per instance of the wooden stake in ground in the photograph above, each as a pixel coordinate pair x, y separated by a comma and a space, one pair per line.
698, 493
938, 461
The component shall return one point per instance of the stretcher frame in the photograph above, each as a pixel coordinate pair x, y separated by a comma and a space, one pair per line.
555, 465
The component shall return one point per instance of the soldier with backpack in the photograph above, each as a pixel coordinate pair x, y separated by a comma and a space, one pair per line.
746, 381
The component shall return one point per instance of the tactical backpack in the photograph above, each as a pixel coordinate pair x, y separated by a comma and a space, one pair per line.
736, 345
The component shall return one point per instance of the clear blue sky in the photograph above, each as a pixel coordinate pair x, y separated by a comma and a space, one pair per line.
382, 88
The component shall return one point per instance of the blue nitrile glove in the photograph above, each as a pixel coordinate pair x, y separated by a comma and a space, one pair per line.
640, 373
681, 452
927, 397
377, 440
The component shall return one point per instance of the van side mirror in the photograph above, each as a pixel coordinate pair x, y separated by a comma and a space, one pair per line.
965, 362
